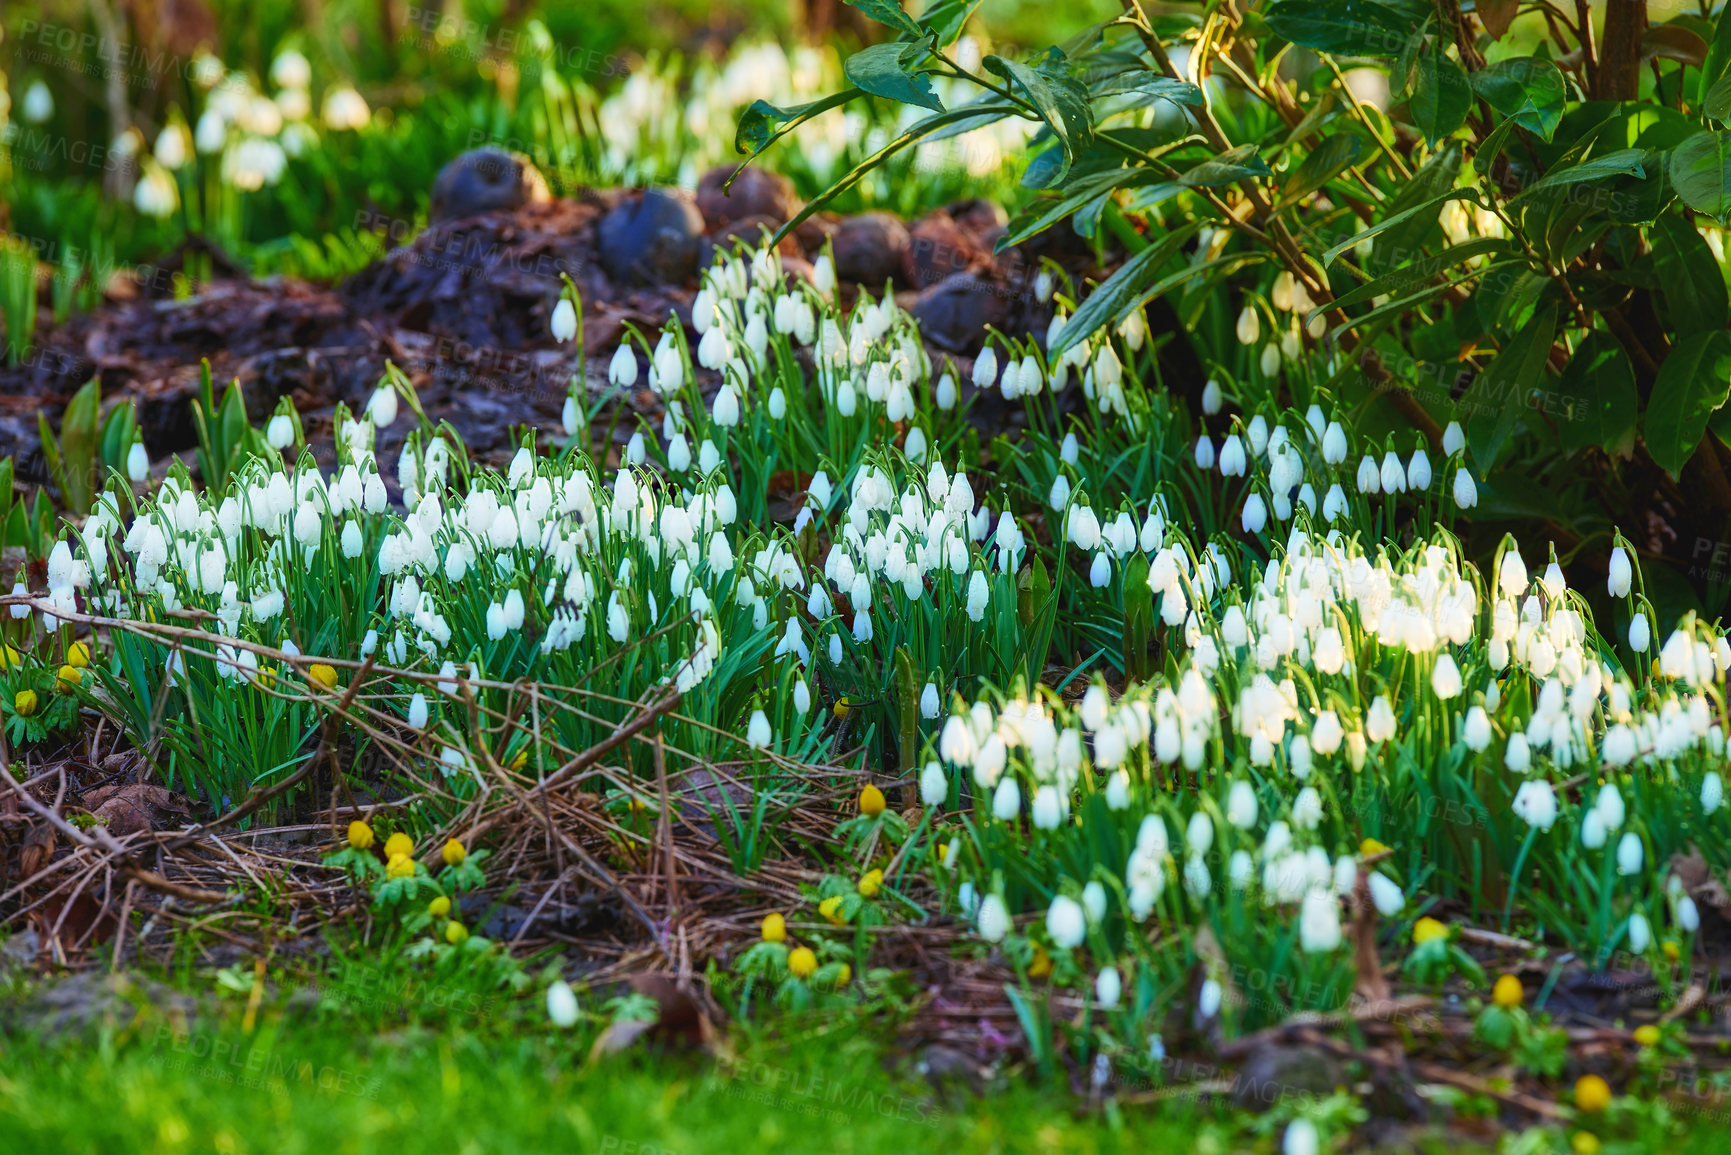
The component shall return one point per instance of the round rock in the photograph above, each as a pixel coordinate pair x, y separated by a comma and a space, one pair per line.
870, 248
756, 193
652, 239
484, 180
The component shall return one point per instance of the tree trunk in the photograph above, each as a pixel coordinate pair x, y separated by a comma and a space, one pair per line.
1620, 50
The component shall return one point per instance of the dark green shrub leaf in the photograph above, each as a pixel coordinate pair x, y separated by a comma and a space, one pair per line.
1599, 398
1692, 383
879, 71
1528, 90
1701, 172
1688, 276
1343, 27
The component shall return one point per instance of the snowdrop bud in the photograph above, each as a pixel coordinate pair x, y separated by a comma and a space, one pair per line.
1712, 792
1418, 473
1629, 854
929, 701
1048, 809
418, 711
1512, 577
1640, 633
977, 595
1640, 933
1466, 491
1066, 922
1249, 326
1300, 1138
1212, 397
564, 323
1334, 446
1241, 805
934, 785
1319, 922
1108, 988
1118, 791
1255, 515
1518, 757
280, 432
945, 392
1006, 799
1593, 830
1385, 894
1445, 678
1199, 834
137, 462
1208, 998
823, 275
562, 1004
993, 919
382, 407
1688, 915
1454, 440
757, 734
1204, 452
986, 368
1476, 731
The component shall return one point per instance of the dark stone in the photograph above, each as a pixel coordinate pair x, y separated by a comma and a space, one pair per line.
757, 193
652, 239
977, 216
1274, 1071
939, 248
484, 180
954, 313
870, 249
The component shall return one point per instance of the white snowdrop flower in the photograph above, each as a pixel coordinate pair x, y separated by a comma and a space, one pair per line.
934, 785
1535, 802
1212, 397
382, 407
993, 919
1334, 503
1069, 450
1476, 730
1048, 809
1249, 326
1269, 362
1593, 831
757, 734
1688, 915
944, 393
1198, 881
137, 462
1610, 806
351, 541
1454, 439
978, 592
1232, 457
1208, 998
280, 432
1512, 577
1299, 757
1255, 514
451, 761
1240, 869
986, 368
1334, 446
1640, 632
1379, 721
1059, 496
562, 1005
1629, 854
418, 711
1712, 792
1640, 933
1118, 791
1006, 799
929, 701
1100, 571
1518, 757
564, 320
1204, 452
1466, 492
1043, 286
1241, 805
726, 410
801, 696
1199, 834
1319, 922
1392, 476
1369, 477
1108, 988
1622, 574
1326, 733
1445, 678
823, 275
622, 370
1307, 809
1418, 472
1300, 1138
38, 104
1385, 894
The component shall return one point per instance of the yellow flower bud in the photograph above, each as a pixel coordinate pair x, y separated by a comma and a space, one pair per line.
871, 882
1647, 1035
439, 907
1592, 1094
844, 976
830, 908
871, 802
1371, 846
324, 675
774, 928
399, 844
400, 866
1428, 930
521, 760
78, 655
453, 853
801, 962
456, 933
67, 679
1508, 992
25, 702
9, 657
1042, 964
1584, 1143
360, 835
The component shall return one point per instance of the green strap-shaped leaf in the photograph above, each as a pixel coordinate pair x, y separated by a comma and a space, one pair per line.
1623, 162
1150, 84
1113, 295
1692, 384
879, 70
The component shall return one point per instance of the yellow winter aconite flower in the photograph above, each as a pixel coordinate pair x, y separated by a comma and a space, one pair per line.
399, 844
324, 675
78, 655
521, 760
1671, 950
774, 928
1508, 992
400, 866
1041, 966
453, 853
844, 975
24, 702
1584, 1143
801, 962
1428, 930
830, 908
871, 802
1647, 1035
439, 907
456, 933
1592, 1094
67, 679
871, 882
1371, 846
360, 835
9, 657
